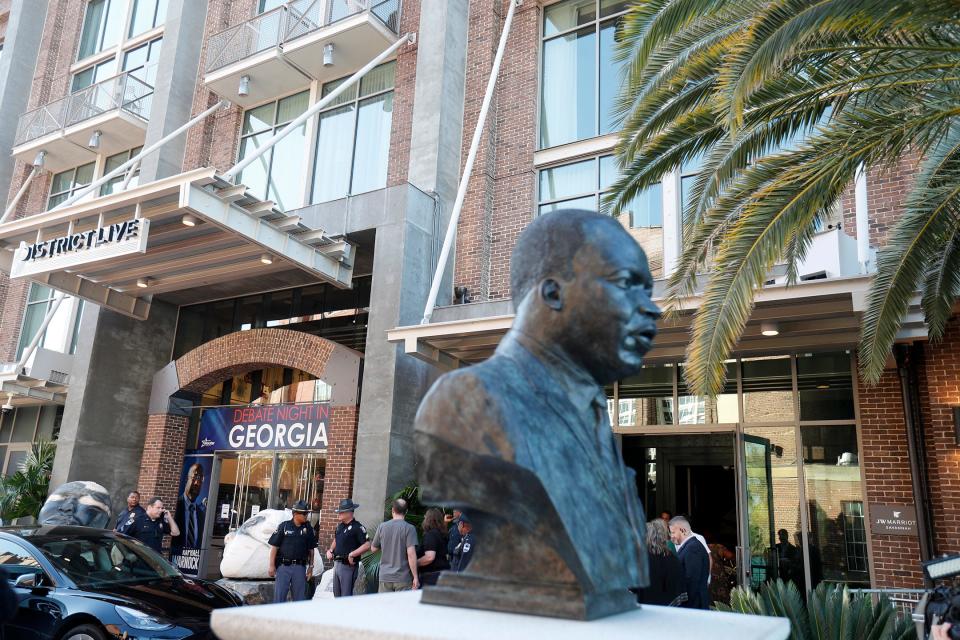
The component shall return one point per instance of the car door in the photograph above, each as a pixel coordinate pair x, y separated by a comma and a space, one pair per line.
38, 614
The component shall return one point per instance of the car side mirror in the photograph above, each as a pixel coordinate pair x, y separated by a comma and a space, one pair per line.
27, 581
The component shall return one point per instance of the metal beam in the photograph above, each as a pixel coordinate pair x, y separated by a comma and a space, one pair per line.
97, 294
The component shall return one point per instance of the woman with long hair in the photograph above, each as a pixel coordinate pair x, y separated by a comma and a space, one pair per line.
665, 571
434, 558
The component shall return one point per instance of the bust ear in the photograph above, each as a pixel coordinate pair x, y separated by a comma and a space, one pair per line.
551, 292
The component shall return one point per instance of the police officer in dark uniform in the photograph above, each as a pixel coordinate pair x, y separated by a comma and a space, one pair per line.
291, 555
349, 543
150, 526
464, 550
133, 507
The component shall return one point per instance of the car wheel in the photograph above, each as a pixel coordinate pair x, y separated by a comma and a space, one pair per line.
85, 632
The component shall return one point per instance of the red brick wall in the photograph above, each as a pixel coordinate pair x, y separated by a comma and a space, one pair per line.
238, 353
403, 94
886, 469
942, 372
887, 189
500, 198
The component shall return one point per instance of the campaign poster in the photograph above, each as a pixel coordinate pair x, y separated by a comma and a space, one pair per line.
272, 427
191, 513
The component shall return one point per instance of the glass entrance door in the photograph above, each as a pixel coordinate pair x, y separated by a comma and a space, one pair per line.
758, 564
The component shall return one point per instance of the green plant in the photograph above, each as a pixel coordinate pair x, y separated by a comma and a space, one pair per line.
832, 612
23, 492
415, 508
784, 101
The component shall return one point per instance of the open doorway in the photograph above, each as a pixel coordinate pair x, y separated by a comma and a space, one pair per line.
692, 475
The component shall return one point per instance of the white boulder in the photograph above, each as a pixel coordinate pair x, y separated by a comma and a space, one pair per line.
246, 553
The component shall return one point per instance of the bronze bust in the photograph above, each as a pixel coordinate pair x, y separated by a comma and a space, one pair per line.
522, 442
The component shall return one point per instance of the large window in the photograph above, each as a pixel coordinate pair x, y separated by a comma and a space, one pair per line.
278, 173
61, 332
66, 183
112, 163
102, 26
142, 60
579, 78
353, 137
146, 15
118, 25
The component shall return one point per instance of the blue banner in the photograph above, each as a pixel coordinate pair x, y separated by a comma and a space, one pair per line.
269, 427
191, 514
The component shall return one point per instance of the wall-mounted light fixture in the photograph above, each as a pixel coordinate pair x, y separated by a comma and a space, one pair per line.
143, 283
244, 89
39, 158
188, 220
328, 54
266, 258
94, 142
770, 329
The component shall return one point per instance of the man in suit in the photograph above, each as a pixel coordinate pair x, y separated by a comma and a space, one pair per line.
694, 562
523, 442
191, 511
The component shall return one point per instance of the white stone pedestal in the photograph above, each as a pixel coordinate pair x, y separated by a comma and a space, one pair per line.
389, 616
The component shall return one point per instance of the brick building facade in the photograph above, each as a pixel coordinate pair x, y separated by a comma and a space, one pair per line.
391, 207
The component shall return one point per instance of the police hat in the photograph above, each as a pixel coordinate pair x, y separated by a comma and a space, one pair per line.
300, 507
463, 518
347, 505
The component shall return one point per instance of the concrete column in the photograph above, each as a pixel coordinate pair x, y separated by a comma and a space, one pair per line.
672, 222
863, 219
20, 47
405, 248
177, 73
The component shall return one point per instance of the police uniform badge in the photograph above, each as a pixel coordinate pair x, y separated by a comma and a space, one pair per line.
133, 516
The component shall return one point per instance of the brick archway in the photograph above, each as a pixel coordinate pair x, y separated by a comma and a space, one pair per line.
235, 354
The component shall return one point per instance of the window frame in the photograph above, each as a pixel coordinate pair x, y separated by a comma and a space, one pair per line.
72, 325
597, 25
115, 53
74, 187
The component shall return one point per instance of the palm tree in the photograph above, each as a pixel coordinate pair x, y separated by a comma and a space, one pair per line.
23, 492
784, 101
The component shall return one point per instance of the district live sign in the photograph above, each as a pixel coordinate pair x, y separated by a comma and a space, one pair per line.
83, 247
266, 427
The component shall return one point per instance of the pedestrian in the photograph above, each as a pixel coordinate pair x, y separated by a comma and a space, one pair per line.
150, 526
398, 562
664, 567
291, 555
348, 544
434, 559
694, 562
133, 506
666, 517
463, 552
453, 532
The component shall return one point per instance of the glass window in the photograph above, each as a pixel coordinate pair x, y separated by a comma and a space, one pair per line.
825, 385
102, 26
92, 75
831, 468
647, 398
580, 78
353, 137
767, 389
17, 561
702, 410
112, 163
59, 331
646, 209
16, 459
269, 5
278, 173
568, 181
146, 15
142, 61
66, 183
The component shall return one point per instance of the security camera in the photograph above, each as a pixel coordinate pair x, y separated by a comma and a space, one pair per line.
6, 408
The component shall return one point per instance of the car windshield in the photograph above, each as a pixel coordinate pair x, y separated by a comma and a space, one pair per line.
92, 560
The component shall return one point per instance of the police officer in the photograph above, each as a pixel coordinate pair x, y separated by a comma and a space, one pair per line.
463, 552
349, 543
291, 555
150, 526
133, 506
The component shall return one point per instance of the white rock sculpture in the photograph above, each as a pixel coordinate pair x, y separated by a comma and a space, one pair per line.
246, 553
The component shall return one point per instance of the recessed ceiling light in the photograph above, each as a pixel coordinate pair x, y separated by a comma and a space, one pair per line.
266, 258
770, 329
143, 283
188, 220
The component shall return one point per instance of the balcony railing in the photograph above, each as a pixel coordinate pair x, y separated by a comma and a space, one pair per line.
288, 22
125, 91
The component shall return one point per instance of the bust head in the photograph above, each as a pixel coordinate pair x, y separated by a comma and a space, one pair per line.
86, 504
582, 287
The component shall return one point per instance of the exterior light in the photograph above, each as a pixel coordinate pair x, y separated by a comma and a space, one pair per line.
188, 220
244, 89
770, 329
94, 142
266, 258
143, 283
39, 158
328, 55
823, 386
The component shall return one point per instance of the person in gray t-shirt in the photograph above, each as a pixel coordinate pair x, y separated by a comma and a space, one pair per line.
398, 563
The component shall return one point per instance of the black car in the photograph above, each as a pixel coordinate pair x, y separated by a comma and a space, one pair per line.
76, 583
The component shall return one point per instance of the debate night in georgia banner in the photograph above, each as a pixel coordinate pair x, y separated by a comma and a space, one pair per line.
267, 427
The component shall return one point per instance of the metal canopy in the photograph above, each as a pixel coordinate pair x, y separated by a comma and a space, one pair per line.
235, 238
810, 315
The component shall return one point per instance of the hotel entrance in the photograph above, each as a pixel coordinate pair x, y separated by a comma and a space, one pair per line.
768, 472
